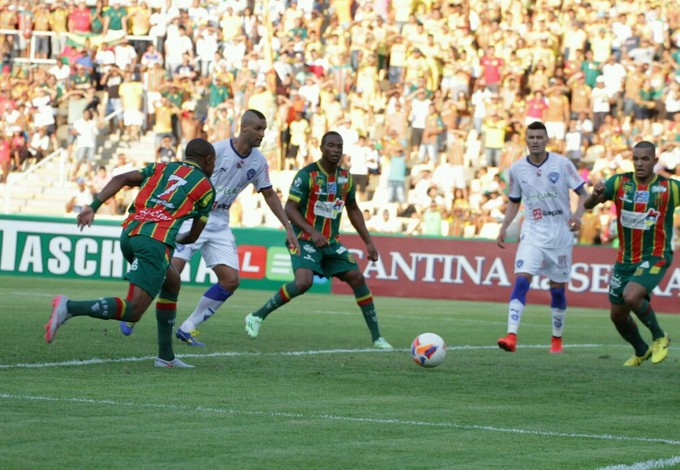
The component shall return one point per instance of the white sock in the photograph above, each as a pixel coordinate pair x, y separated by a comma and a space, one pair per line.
515, 310
205, 309
558, 321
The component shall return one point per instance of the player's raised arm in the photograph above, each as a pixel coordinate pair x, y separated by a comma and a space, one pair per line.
118, 182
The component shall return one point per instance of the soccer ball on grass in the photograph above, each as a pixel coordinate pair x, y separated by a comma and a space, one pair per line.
428, 350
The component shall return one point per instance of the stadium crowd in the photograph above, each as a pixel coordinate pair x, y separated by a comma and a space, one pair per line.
431, 97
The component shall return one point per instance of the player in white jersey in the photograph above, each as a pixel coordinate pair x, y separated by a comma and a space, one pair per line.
238, 164
542, 182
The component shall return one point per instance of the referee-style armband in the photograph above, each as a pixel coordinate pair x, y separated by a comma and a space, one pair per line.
96, 204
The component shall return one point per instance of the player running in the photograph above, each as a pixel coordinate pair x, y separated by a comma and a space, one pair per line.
315, 202
169, 194
644, 204
239, 163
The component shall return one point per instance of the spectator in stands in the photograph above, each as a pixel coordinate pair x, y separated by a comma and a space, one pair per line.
86, 130
80, 197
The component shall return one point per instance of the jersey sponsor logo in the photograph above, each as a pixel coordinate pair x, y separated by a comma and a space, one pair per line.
553, 176
542, 196
223, 206
642, 196
658, 189
152, 215
329, 210
537, 214
625, 197
552, 213
627, 187
309, 248
298, 182
332, 187
639, 220
342, 179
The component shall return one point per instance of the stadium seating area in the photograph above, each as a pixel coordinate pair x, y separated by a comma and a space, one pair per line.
431, 97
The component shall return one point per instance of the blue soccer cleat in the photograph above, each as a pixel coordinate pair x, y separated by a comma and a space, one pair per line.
189, 337
127, 327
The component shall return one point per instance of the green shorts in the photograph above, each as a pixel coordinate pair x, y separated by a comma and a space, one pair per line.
149, 260
647, 273
327, 261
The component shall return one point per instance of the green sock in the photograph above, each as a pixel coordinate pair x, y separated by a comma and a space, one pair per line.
284, 295
365, 301
629, 331
106, 308
166, 311
647, 316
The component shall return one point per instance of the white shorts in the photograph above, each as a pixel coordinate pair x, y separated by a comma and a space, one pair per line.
132, 117
555, 263
215, 247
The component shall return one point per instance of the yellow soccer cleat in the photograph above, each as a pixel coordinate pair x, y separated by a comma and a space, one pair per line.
660, 349
637, 360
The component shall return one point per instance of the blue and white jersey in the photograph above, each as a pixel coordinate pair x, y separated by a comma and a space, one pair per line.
232, 174
544, 190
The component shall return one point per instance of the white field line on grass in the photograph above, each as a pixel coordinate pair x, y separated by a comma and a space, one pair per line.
353, 419
647, 465
86, 362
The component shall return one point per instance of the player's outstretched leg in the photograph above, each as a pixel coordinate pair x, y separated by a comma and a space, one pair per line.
284, 295
661, 341
212, 299
515, 309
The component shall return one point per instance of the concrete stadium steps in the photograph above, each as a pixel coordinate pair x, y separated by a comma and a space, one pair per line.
40, 193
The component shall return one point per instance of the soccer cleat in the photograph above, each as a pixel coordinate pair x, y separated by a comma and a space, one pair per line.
189, 337
381, 343
59, 316
174, 363
127, 327
508, 342
660, 349
253, 325
556, 345
637, 360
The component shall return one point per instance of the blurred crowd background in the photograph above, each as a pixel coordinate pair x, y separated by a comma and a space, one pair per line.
431, 97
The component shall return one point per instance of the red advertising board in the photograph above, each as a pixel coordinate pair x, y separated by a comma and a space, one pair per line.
480, 270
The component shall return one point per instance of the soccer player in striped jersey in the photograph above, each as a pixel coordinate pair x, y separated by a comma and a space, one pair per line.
316, 198
169, 194
239, 163
542, 181
644, 204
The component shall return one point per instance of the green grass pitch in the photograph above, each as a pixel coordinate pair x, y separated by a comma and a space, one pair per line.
310, 393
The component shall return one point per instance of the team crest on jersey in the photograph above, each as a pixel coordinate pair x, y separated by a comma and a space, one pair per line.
642, 196
519, 263
250, 174
553, 176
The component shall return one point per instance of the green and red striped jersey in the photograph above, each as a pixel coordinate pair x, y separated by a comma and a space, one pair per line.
170, 194
644, 216
320, 198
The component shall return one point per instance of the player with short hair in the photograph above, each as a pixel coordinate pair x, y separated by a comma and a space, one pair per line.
239, 163
169, 194
542, 182
315, 202
645, 202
